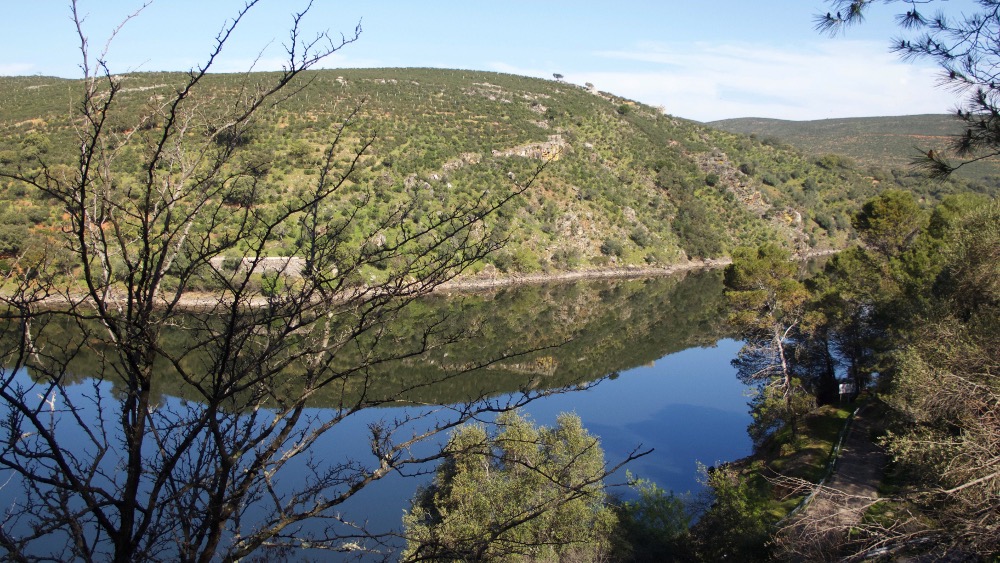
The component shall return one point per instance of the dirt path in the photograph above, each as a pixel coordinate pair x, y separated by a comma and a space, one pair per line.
820, 531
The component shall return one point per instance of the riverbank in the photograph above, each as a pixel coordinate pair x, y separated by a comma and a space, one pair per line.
629, 272
203, 300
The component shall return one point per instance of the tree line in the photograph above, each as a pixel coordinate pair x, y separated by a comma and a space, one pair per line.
146, 207
908, 315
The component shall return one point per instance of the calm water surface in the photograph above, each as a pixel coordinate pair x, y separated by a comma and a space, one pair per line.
688, 406
660, 346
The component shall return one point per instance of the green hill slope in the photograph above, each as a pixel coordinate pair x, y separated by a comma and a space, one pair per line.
625, 185
886, 142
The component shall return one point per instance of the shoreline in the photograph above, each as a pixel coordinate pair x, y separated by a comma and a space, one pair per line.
201, 300
623, 273
628, 272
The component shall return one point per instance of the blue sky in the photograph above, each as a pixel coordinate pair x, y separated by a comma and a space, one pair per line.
700, 60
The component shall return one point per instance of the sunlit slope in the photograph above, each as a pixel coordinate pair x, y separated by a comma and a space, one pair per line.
623, 184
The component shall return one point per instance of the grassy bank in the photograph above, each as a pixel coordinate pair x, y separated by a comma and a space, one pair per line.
806, 456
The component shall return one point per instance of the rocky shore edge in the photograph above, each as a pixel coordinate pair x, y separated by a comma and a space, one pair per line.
198, 300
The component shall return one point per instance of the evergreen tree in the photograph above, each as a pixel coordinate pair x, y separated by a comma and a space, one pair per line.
767, 308
518, 494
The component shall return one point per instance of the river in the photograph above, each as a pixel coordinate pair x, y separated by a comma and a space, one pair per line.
642, 362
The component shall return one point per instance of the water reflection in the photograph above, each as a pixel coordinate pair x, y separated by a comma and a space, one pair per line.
662, 341
689, 407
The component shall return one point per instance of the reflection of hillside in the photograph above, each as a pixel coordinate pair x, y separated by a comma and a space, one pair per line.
579, 331
587, 329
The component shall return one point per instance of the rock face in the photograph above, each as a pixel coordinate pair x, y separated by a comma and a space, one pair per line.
735, 180
547, 151
288, 265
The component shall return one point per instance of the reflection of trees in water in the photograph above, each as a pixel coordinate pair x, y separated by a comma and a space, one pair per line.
573, 333
217, 449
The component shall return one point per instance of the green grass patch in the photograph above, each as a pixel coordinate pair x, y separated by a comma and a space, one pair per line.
805, 456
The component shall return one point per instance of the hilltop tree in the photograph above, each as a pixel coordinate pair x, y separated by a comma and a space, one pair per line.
963, 45
159, 199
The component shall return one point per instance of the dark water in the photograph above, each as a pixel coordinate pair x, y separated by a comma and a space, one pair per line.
660, 346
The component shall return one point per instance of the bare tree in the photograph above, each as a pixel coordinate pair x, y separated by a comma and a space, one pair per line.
111, 472
841, 526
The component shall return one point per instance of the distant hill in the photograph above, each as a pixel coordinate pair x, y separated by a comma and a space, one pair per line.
625, 184
886, 142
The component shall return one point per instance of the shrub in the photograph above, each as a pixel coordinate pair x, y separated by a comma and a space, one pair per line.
653, 526
612, 247
641, 237
537, 492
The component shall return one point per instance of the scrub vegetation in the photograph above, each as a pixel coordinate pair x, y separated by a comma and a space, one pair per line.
637, 188
254, 245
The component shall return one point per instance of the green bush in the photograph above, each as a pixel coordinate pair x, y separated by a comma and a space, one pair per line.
271, 284
696, 231
736, 526
653, 526
521, 490
641, 237
612, 247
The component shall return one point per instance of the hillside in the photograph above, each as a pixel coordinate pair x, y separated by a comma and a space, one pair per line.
624, 184
885, 142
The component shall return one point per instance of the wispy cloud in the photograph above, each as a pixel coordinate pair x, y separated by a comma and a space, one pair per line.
716, 81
